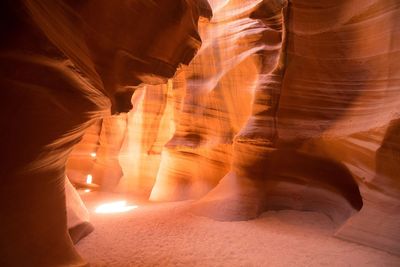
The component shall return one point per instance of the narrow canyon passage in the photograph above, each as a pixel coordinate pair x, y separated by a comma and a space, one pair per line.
199, 133
288, 105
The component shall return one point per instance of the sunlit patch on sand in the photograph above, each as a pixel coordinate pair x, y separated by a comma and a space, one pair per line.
115, 207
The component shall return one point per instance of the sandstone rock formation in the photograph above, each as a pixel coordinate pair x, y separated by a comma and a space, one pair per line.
64, 64
288, 105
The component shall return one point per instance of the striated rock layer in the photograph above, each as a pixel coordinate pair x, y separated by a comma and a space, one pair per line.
63, 66
318, 137
288, 105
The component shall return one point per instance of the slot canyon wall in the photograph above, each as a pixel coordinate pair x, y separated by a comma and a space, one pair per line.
64, 65
288, 105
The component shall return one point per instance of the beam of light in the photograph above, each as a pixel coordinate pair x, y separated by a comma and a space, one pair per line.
87, 190
115, 207
93, 154
89, 179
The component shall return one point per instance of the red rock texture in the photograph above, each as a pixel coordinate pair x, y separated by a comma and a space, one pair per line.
288, 105
64, 65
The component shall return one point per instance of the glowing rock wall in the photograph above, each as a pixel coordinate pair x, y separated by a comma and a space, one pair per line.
63, 66
288, 105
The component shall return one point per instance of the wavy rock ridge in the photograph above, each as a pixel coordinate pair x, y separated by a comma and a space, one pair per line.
288, 105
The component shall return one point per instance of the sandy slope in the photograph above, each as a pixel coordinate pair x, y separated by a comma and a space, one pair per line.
168, 235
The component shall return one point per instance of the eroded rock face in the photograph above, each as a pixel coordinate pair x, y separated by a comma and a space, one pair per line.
320, 125
288, 105
64, 65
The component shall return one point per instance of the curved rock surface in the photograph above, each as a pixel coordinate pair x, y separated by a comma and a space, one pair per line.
63, 66
288, 105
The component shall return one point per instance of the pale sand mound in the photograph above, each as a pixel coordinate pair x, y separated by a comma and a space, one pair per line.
168, 235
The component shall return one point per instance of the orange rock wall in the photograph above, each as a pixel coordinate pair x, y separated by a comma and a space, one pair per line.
288, 105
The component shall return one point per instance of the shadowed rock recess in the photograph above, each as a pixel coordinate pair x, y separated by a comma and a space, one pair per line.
65, 64
288, 105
